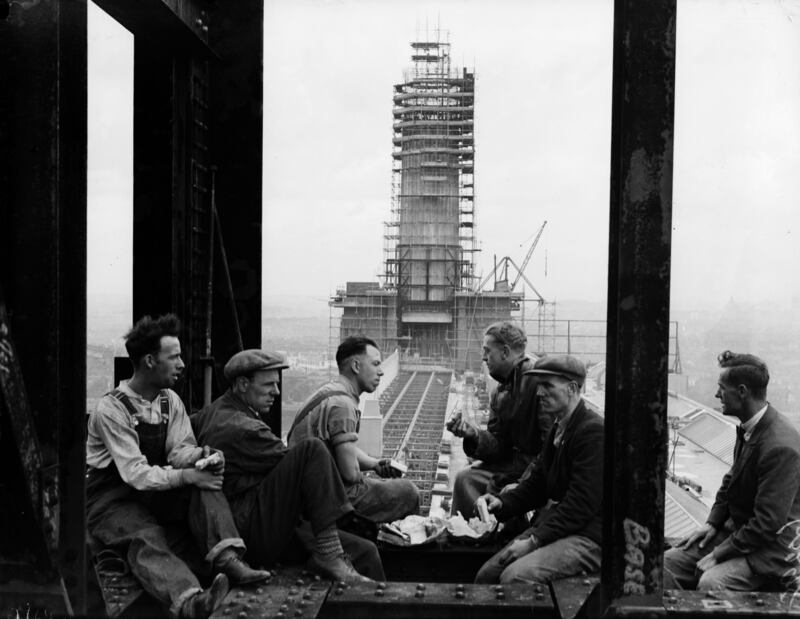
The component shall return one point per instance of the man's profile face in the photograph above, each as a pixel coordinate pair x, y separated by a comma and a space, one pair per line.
729, 396
495, 357
262, 390
167, 365
368, 369
553, 393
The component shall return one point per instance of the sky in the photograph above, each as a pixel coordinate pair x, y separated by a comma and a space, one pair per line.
542, 142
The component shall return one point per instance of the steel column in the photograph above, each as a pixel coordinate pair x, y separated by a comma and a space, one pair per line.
638, 299
236, 135
43, 69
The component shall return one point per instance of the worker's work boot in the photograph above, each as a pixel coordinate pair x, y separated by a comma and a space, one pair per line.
338, 568
238, 572
204, 602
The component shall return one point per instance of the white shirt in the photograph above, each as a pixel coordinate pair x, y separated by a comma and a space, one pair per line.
750, 425
112, 437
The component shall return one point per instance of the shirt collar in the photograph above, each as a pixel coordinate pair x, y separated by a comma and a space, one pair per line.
750, 425
243, 406
348, 386
124, 388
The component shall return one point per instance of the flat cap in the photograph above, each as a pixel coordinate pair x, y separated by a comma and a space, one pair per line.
565, 366
252, 360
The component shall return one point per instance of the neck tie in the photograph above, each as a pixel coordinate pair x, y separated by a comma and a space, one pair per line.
739, 443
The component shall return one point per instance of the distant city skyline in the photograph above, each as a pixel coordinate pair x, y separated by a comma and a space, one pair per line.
542, 142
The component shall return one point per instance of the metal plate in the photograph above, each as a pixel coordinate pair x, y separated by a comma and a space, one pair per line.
731, 603
291, 593
432, 600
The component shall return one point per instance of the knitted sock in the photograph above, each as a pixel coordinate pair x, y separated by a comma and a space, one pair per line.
328, 545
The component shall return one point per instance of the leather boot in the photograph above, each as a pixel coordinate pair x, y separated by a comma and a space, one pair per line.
238, 572
338, 568
205, 602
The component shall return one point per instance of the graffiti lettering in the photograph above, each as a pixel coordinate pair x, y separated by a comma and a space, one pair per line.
790, 579
637, 538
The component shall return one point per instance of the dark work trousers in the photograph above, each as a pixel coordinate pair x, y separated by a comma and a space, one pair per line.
384, 500
168, 533
166, 530
306, 484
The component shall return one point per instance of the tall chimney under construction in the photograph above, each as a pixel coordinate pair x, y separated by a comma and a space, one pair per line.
428, 305
433, 198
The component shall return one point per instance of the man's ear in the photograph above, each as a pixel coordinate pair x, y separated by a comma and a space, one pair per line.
743, 391
355, 365
149, 362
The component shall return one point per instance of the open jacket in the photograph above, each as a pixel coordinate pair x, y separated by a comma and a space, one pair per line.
517, 427
251, 449
568, 479
759, 501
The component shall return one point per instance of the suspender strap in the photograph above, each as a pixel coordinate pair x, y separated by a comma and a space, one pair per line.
312, 404
164, 406
126, 401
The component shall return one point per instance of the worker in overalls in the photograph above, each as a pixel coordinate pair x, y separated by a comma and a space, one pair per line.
144, 490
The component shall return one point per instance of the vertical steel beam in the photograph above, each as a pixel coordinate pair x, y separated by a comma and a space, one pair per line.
638, 298
236, 133
43, 51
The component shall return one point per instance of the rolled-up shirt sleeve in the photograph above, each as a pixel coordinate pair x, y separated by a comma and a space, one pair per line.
342, 423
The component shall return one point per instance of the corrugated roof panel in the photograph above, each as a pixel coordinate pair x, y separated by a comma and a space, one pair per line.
678, 523
712, 434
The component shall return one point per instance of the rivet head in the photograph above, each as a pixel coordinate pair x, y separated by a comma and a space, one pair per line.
759, 602
672, 600
284, 607
379, 593
299, 582
307, 595
420, 594
539, 597
421, 587
460, 595
500, 595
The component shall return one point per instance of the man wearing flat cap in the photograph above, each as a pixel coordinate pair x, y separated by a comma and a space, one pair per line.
270, 487
565, 485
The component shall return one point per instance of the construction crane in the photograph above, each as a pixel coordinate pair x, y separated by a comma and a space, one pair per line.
528, 256
502, 267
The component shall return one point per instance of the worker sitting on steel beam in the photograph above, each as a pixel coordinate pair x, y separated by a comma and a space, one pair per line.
145, 488
517, 427
750, 537
270, 486
331, 414
565, 485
